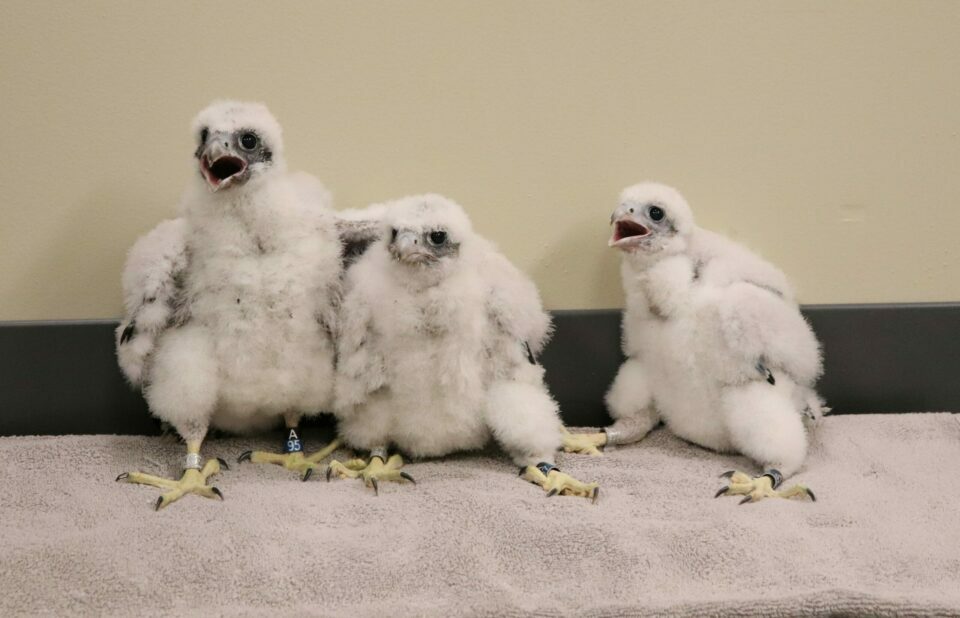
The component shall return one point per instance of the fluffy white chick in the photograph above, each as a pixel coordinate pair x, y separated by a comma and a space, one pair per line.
716, 346
436, 351
230, 309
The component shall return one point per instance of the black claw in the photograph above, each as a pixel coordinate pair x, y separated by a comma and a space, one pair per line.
307, 474
223, 463
721, 491
596, 493
728, 474
244, 456
747, 499
127, 334
552, 492
122, 476
812, 497
329, 472
766, 373
530, 357
376, 489
217, 491
156, 507
408, 477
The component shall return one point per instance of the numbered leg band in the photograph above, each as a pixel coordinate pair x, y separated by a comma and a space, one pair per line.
378, 452
543, 467
546, 468
293, 443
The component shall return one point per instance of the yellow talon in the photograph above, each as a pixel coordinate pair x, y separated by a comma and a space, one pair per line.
371, 472
193, 481
297, 461
757, 488
584, 443
556, 482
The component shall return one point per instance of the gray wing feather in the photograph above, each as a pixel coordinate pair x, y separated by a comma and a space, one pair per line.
762, 331
151, 282
514, 306
356, 235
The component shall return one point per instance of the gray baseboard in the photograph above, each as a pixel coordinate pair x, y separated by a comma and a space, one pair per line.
62, 377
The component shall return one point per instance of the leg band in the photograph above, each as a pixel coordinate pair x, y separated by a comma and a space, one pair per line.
626, 431
612, 435
775, 476
192, 461
378, 452
293, 443
543, 467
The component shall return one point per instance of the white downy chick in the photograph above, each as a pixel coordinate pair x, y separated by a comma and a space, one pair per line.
437, 350
716, 346
231, 308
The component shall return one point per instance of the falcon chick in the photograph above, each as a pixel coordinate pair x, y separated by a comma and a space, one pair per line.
230, 309
716, 346
436, 351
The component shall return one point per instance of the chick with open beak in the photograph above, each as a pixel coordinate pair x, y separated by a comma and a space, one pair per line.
231, 158
716, 347
649, 224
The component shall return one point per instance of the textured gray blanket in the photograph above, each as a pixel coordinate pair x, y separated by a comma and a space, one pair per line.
473, 539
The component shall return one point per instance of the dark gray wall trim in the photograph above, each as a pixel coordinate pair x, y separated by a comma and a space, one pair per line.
62, 377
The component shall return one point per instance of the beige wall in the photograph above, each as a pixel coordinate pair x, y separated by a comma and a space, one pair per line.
824, 134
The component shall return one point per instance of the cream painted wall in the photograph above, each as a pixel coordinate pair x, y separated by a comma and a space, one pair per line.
826, 135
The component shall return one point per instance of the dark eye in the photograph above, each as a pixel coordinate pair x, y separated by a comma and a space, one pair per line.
393, 234
438, 238
248, 141
656, 213
204, 134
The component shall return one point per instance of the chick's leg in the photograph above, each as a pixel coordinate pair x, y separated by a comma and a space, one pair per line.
370, 472
525, 420
193, 480
765, 425
554, 482
630, 401
292, 457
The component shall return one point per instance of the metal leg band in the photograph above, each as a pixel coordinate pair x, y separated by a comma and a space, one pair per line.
613, 436
775, 476
192, 461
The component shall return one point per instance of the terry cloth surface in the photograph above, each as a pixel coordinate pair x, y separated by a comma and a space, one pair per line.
471, 538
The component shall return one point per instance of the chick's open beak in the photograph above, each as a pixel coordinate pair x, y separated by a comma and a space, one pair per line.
627, 233
220, 165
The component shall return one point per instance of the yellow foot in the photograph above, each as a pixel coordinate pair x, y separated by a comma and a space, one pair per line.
371, 472
583, 443
192, 482
555, 482
305, 465
757, 488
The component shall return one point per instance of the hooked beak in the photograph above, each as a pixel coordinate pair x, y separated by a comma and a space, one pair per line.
408, 247
220, 166
627, 233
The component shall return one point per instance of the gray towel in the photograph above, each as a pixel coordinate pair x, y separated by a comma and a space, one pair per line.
471, 538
